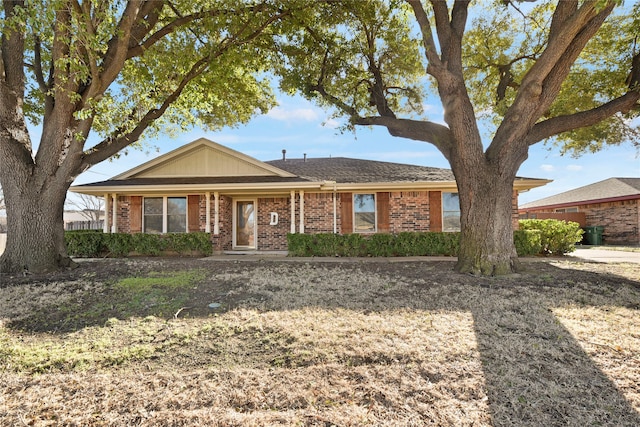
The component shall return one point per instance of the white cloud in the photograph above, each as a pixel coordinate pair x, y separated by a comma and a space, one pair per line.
574, 168
297, 114
331, 124
547, 168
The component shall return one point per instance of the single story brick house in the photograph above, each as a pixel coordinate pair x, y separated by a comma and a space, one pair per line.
247, 204
613, 204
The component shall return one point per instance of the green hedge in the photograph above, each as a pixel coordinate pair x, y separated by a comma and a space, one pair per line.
527, 242
556, 237
386, 245
93, 243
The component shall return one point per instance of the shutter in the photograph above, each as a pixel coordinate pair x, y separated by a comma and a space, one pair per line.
346, 213
382, 208
193, 212
135, 214
435, 210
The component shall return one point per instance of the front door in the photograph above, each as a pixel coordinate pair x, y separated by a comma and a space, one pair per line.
244, 228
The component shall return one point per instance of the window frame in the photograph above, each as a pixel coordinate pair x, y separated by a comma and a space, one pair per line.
444, 223
375, 213
165, 214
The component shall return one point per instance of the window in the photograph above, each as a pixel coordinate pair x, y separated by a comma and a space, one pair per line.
567, 210
364, 213
165, 215
450, 212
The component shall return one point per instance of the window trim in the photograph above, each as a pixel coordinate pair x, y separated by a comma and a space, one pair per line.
165, 213
375, 212
444, 229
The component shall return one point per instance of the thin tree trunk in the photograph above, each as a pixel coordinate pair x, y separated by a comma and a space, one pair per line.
35, 234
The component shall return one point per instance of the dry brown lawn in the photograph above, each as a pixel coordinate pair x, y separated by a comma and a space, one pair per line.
313, 343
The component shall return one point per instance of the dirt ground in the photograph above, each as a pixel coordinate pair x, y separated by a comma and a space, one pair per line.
184, 341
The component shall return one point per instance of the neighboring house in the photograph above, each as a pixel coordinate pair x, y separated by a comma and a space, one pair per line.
613, 204
82, 220
247, 204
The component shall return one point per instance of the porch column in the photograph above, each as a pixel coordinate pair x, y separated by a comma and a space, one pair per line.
301, 228
114, 211
105, 225
293, 212
216, 213
207, 226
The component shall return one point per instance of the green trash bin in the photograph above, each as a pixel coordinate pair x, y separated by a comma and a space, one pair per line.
593, 235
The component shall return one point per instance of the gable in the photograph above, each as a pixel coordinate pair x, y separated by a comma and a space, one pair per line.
203, 158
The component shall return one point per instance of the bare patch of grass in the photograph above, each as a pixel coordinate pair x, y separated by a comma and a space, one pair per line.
319, 344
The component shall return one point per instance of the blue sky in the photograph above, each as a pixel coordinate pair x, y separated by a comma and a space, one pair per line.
300, 127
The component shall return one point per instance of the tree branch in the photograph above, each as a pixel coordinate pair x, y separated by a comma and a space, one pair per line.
560, 124
425, 131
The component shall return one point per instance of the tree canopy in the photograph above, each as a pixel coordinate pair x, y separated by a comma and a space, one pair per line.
368, 61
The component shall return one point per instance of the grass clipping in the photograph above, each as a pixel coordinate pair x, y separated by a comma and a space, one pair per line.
321, 344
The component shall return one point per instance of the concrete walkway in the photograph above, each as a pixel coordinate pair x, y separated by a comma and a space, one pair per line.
597, 254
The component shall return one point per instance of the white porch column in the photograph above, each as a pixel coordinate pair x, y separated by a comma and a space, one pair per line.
105, 225
207, 227
216, 213
293, 212
301, 228
114, 211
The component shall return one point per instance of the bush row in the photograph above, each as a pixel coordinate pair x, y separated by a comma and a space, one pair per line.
389, 245
91, 243
534, 237
545, 236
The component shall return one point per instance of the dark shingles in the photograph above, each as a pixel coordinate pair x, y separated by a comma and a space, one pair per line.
346, 170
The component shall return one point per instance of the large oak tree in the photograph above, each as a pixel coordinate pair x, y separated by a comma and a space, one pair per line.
117, 69
567, 73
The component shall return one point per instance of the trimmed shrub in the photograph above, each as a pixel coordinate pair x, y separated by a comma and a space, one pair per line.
96, 243
84, 243
386, 245
556, 237
528, 242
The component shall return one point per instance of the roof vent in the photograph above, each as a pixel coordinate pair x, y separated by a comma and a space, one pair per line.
284, 154
305, 157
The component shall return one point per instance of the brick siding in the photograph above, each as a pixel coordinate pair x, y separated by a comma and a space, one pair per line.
409, 211
273, 237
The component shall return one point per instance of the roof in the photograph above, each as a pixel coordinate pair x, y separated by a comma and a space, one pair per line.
346, 170
203, 165
611, 189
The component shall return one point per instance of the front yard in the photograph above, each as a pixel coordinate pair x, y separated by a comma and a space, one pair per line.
179, 341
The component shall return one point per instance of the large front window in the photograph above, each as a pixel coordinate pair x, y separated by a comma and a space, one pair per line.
364, 213
450, 212
165, 215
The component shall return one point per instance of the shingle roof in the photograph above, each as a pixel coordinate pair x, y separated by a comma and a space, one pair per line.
346, 170
611, 188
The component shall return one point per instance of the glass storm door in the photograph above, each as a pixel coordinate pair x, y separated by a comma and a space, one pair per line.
245, 224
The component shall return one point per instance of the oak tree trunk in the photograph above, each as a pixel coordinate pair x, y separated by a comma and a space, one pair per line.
486, 221
35, 234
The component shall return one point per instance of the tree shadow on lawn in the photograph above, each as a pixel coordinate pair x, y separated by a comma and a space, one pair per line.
535, 370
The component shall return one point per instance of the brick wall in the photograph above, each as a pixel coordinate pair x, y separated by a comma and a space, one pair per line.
318, 213
273, 237
224, 240
409, 211
123, 223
